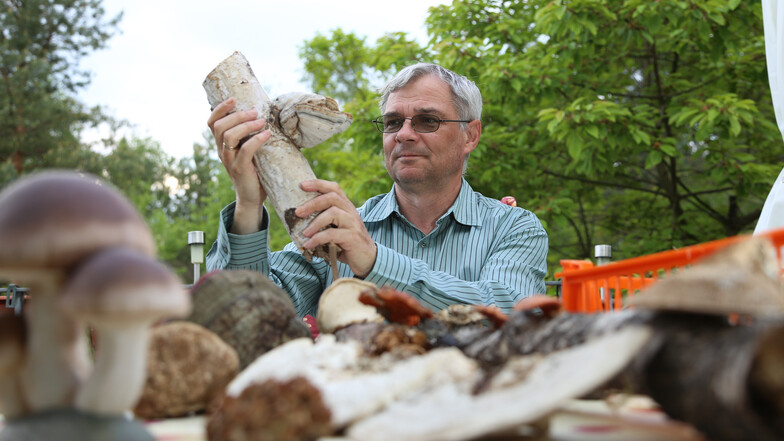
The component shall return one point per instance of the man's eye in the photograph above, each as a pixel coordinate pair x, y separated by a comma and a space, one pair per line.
428, 119
393, 123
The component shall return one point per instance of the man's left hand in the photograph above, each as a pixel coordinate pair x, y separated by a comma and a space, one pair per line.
348, 231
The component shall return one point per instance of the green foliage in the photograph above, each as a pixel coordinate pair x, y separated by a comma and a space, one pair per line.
645, 125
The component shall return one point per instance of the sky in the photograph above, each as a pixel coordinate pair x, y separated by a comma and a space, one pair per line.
152, 71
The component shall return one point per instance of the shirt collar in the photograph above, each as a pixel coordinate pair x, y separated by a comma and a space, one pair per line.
464, 210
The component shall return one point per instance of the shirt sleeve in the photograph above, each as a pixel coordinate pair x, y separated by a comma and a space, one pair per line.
304, 281
515, 268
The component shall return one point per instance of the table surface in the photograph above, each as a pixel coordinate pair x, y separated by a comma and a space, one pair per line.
631, 419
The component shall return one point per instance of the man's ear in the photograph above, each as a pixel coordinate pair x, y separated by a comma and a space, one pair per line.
473, 132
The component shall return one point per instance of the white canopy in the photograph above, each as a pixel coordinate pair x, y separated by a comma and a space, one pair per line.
772, 215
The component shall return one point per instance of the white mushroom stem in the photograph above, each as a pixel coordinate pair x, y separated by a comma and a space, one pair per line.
120, 368
12, 403
57, 357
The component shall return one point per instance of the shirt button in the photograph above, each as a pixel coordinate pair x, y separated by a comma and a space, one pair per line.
422, 245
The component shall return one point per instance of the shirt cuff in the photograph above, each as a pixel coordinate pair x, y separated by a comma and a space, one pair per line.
391, 269
243, 249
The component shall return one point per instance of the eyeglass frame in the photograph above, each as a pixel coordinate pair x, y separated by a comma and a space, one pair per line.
379, 123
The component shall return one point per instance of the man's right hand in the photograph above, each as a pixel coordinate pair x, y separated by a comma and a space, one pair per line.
228, 129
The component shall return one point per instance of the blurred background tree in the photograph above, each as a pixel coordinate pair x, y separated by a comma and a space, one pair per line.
40, 120
644, 125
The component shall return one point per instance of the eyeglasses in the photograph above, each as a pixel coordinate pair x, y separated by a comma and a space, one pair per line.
423, 123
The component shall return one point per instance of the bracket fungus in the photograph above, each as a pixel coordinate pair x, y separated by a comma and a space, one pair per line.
295, 121
742, 278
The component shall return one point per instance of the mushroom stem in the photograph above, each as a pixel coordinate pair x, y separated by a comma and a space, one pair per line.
12, 402
57, 357
118, 376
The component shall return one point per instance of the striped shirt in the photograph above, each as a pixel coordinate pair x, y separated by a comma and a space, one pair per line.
480, 252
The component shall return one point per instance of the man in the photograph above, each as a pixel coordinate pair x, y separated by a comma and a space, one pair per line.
431, 236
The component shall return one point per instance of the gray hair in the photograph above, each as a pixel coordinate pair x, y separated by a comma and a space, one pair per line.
465, 95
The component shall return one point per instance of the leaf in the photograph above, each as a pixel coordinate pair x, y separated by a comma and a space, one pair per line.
593, 131
575, 145
653, 159
668, 149
734, 125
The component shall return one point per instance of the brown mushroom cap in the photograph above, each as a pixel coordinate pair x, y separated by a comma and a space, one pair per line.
56, 218
120, 283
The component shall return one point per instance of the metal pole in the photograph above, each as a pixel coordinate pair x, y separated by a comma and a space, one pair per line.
603, 255
196, 242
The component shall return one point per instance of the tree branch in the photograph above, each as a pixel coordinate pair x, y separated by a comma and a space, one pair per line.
602, 183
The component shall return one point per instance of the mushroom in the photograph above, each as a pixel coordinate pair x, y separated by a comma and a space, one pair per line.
49, 222
339, 305
396, 306
188, 367
287, 410
352, 385
492, 313
550, 306
120, 293
296, 121
12, 355
741, 278
523, 392
247, 310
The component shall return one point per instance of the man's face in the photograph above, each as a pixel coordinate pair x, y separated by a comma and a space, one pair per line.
436, 158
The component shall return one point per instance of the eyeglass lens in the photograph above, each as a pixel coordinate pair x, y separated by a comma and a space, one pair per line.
421, 123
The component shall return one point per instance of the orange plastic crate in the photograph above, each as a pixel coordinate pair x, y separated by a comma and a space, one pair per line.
589, 288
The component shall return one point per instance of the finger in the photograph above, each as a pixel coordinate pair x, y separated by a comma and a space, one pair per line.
220, 111
337, 236
321, 186
332, 217
233, 137
252, 145
331, 195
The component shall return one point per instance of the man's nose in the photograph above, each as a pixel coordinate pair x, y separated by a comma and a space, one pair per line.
407, 131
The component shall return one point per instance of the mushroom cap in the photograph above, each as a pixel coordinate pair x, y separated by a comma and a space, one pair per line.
123, 284
741, 278
339, 305
56, 218
247, 310
396, 306
188, 366
549, 305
